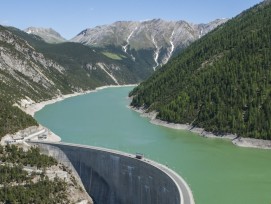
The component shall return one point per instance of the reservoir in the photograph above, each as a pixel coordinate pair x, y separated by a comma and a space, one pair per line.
216, 170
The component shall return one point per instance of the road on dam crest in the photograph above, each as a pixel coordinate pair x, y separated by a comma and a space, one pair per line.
121, 177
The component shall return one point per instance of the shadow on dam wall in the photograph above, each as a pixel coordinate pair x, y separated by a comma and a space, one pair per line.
115, 178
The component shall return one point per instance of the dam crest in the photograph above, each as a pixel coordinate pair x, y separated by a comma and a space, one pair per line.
113, 177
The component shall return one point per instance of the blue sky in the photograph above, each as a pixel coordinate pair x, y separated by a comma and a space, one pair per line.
69, 17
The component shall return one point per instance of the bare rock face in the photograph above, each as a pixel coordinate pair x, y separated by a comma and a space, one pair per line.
23, 68
163, 38
30, 68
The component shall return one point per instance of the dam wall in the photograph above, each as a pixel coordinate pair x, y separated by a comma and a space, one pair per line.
112, 177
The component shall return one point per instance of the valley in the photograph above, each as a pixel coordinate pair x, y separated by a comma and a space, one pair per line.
145, 87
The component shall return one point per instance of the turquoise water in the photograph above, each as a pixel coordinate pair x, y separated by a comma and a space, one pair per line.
217, 171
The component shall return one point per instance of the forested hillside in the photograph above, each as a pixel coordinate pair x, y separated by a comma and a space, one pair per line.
12, 119
222, 82
17, 185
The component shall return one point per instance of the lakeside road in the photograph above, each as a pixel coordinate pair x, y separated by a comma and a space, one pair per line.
34, 135
186, 196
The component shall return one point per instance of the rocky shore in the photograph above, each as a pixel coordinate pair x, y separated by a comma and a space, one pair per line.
236, 140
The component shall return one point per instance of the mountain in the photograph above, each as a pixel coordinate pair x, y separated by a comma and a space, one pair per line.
221, 82
155, 41
80, 58
25, 72
33, 70
47, 34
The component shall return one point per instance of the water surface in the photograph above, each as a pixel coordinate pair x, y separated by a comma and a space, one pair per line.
217, 171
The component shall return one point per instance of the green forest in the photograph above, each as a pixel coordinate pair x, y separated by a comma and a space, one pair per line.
16, 184
32, 157
44, 191
221, 83
12, 119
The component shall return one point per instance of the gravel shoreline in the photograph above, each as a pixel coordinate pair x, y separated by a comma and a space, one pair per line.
30, 107
239, 141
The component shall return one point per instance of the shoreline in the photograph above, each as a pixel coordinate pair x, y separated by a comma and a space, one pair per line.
29, 107
238, 141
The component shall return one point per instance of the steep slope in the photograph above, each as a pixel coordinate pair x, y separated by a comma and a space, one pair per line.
47, 34
221, 82
155, 41
85, 61
40, 71
24, 72
12, 119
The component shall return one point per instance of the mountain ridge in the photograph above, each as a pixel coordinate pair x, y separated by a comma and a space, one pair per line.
43, 70
158, 37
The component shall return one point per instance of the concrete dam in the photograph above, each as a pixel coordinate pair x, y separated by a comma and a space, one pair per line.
113, 177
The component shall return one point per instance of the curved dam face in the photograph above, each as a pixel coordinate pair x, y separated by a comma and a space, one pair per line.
112, 177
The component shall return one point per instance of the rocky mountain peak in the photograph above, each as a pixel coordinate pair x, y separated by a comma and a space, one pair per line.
49, 35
